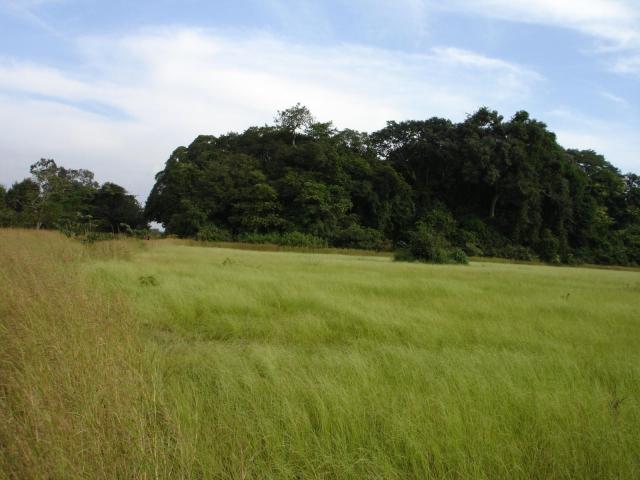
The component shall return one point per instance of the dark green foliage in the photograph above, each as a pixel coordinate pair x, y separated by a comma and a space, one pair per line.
260, 185
518, 252
288, 239
426, 244
213, 233
113, 207
486, 186
458, 256
7, 215
71, 201
357, 236
549, 247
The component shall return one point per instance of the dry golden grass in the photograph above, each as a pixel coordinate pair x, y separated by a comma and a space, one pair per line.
76, 397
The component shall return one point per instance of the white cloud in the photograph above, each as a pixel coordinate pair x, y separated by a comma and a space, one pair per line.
615, 21
170, 85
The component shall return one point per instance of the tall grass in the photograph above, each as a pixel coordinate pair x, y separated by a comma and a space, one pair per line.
174, 361
289, 365
77, 397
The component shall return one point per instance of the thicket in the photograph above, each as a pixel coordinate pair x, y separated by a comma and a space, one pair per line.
483, 187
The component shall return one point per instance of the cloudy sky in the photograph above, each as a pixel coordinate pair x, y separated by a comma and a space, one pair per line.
115, 86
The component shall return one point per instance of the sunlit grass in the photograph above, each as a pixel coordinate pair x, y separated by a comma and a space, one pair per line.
291, 365
133, 359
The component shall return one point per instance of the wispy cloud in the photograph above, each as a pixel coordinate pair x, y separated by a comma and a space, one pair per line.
136, 97
614, 21
627, 65
27, 11
614, 25
618, 100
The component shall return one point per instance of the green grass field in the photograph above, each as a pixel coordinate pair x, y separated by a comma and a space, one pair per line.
294, 365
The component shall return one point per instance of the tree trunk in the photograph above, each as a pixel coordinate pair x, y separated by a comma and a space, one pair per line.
494, 201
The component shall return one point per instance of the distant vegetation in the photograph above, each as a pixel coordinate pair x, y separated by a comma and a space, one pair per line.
483, 187
69, 200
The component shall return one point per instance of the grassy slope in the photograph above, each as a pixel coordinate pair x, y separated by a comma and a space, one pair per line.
291, 365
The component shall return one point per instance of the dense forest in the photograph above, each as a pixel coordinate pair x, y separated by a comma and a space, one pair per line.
484, 186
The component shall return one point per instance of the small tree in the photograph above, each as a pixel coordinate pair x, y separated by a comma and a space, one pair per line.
294, 119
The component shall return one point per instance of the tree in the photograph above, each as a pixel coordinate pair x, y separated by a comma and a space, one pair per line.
62, 193
24, 199
113, 206
6, 213
294, 119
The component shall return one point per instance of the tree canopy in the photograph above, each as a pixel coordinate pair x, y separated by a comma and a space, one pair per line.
484, 186
504, 187
56, 197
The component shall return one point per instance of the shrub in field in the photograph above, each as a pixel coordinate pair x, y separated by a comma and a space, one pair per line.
469, 242
298, 239
213, 233
458, 256
481, 237
426, 245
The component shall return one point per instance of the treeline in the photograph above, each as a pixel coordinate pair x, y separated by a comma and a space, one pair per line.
485, 186
69, 200
432, 189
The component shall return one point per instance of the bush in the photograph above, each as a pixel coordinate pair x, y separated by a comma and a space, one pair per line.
469, 242
459, 256
288, 239
357, 236
273, 238
441, 220
478, 236
299, 239
426, 245
213, 233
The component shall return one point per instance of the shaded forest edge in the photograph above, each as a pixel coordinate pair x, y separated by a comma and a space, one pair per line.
431, 189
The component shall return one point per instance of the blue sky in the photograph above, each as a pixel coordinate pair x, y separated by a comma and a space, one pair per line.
115, 86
